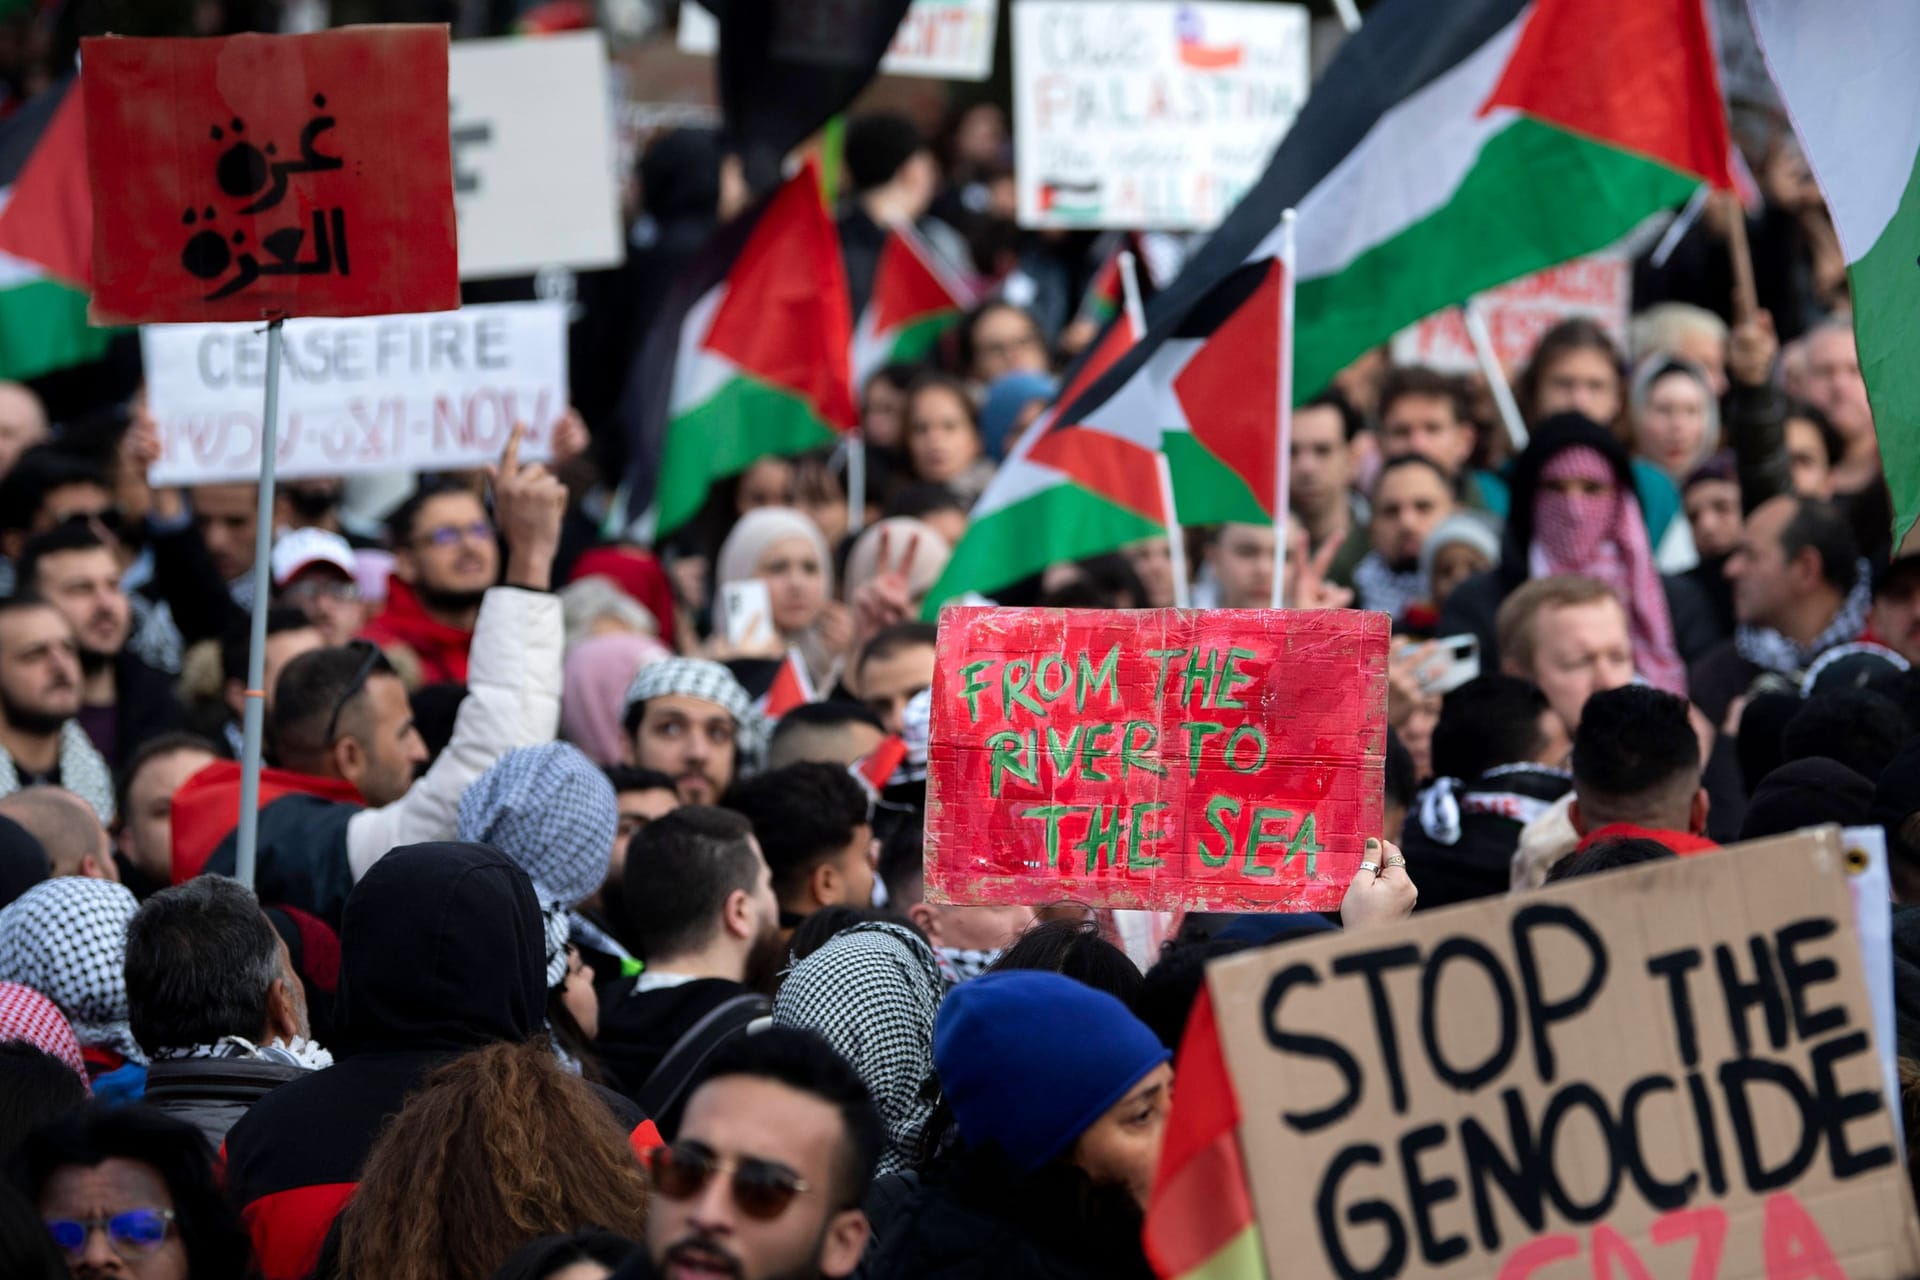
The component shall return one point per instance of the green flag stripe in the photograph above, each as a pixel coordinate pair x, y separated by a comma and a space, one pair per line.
742, 422
43, 327
1886, 321
1062, 522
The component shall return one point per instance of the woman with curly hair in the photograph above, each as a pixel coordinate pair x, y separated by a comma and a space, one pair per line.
501, 1147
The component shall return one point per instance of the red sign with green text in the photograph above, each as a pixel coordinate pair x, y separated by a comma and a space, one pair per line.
1217, 760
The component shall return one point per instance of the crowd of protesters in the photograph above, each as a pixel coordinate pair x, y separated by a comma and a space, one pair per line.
563, 959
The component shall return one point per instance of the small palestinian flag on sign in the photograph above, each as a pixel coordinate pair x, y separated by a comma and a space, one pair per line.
914, 302
46, 238
749, 359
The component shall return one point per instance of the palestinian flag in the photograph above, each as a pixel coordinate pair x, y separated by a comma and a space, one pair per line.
791, 687
1106, 294
1200, 1219
46, 238
1846, 74
914, 301
1089, 484
1447, 149
749, 358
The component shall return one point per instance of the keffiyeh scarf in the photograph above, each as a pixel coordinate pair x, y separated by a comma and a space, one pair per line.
82, 771
1602, 535
27, 1015
67, 939
1381, 587
301, 1052
1771, 651
872, 993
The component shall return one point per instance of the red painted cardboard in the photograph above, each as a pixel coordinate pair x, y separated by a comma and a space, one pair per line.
252, 177
1217, 760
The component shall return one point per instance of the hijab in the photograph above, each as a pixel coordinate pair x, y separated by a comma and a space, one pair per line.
594, 687
930, 555
757, 533
67, 939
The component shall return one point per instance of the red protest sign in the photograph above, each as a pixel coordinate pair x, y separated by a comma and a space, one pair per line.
253, 177
1219, 760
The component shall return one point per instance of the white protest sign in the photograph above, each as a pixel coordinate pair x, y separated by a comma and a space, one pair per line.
1597, 288
433, 392
937, 40
533, 155
1149, 115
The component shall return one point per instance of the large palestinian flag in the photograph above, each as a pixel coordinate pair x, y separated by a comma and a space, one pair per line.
914, 301
1847, 74
1447, 149
46, 238
752, 357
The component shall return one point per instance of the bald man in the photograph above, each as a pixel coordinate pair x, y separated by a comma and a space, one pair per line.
67, 828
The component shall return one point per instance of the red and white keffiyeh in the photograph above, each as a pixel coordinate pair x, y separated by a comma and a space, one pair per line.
27, 1015
1602, 535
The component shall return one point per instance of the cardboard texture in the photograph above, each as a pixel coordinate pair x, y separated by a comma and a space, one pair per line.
1685, 1052
254, 177
1217, 760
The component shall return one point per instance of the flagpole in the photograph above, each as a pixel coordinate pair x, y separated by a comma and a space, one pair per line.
1135, 310
1283, 427
857, 480
1495, 375
1349, 14
254, 722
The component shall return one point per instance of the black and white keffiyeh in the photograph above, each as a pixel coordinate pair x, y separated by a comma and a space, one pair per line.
301, 1052
1380, 586
67, 939
709, 682
83, 771
872, 992
1771, 651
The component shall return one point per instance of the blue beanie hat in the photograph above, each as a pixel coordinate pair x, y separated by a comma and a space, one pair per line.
1030, 1060
1007, 395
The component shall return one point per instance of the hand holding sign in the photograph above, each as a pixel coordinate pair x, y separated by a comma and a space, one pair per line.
529, 504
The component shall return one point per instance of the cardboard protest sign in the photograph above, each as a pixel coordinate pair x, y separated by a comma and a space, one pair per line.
252, 177
1222, 760
409, 393
1598, 288
1664, 1072
936, 40
1149, 114
533, 175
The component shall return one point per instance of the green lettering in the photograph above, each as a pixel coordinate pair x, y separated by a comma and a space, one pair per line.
1244, 733
1166, 659
1013, 688
1094, 679
1197, 732
1011, 753
1137, 857
1215, 807
1062, 753
1091, 751
1105, 838
1204, 673
1135, 758
1304, 841
1051, 815
1233, 678
1052, 662
971, 689
1258, 836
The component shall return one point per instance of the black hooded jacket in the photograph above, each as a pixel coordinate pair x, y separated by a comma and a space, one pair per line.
441, 951
1475, 603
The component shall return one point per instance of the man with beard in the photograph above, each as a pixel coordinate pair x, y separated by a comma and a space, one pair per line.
445, 557
686, 717
766, 1179
1412, 496
123, 700
40, 741
700, 911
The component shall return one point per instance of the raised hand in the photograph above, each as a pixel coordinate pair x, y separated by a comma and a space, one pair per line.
528, 506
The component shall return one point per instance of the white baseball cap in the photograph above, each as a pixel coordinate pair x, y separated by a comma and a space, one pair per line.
300, 549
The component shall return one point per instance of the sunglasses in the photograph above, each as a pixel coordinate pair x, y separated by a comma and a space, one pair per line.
133, 1234
367, 664
761, 1188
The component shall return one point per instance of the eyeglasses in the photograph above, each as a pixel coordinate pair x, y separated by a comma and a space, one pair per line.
367, 664
133, 1234
448, 535
762, 1188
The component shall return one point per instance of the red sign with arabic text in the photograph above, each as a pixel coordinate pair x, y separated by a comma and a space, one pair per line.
252, 177
1218, 760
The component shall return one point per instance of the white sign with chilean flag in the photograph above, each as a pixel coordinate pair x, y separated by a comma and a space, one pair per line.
1149, 114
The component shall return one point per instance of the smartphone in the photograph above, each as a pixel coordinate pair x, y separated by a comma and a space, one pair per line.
746, 614
1457, 662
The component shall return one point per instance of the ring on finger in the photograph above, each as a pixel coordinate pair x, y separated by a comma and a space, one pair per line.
1397, 861
1370, 866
